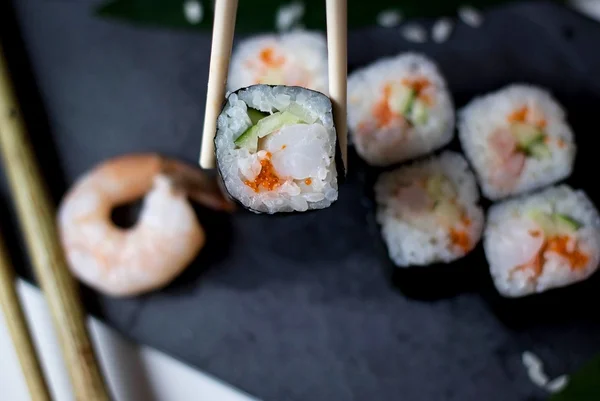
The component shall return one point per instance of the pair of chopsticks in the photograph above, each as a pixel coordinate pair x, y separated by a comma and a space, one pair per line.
36, 215
17, 327
222, 41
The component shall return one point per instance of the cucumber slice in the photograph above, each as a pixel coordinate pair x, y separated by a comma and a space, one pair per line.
402, 99
539, 150
434, 186
544, 220
249, 139
555, 223
256, 115
439, 187
526, 135
565, 223
419, 113
302, 113
448, 213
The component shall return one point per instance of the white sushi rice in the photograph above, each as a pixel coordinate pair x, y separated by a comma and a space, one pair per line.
411, 244
313, 151
391, 145
301, 61
508, 244
484, 115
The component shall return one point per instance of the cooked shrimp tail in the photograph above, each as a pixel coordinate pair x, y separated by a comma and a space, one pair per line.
198, 185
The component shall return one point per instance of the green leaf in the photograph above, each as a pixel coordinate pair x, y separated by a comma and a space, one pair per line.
259, 16
584, 385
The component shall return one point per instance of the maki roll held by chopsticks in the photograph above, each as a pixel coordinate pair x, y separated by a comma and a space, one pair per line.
275, 149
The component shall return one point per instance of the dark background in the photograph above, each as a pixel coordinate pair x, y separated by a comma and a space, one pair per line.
301, 307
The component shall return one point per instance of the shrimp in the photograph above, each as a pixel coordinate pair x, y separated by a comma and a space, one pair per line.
510, 158
508, 161
164, 240
414, 198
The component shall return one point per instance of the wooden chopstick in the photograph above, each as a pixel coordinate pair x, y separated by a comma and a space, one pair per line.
222, 41
17, 326
337, 50
37, 220
220, 53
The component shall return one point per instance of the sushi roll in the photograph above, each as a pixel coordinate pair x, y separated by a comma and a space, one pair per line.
275, 149
296, 58
517, 139
429, 211
398, 109
546, 240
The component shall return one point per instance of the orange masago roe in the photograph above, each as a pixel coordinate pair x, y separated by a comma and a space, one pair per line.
381, 110
521, 114
460, 237
559, 245
267, 178
271, 59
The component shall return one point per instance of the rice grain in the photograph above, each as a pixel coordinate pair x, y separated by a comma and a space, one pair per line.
389, 18
289, 15
470, 16
441, 30
414, 33
558, 384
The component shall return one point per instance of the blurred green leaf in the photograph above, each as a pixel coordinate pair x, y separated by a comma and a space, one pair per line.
259, 16
584, 384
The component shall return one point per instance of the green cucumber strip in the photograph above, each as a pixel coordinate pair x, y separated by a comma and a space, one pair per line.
256, 115
539, 150
566, 222
448, 212
402, 100
419, 113
439, 187
554, 223
302, 113
526, 135
267, 125
544, 220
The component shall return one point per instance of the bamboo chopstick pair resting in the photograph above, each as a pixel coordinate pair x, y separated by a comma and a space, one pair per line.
17, 327
37, 220
223, 32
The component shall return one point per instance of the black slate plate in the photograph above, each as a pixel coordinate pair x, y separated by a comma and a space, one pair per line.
301, 307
